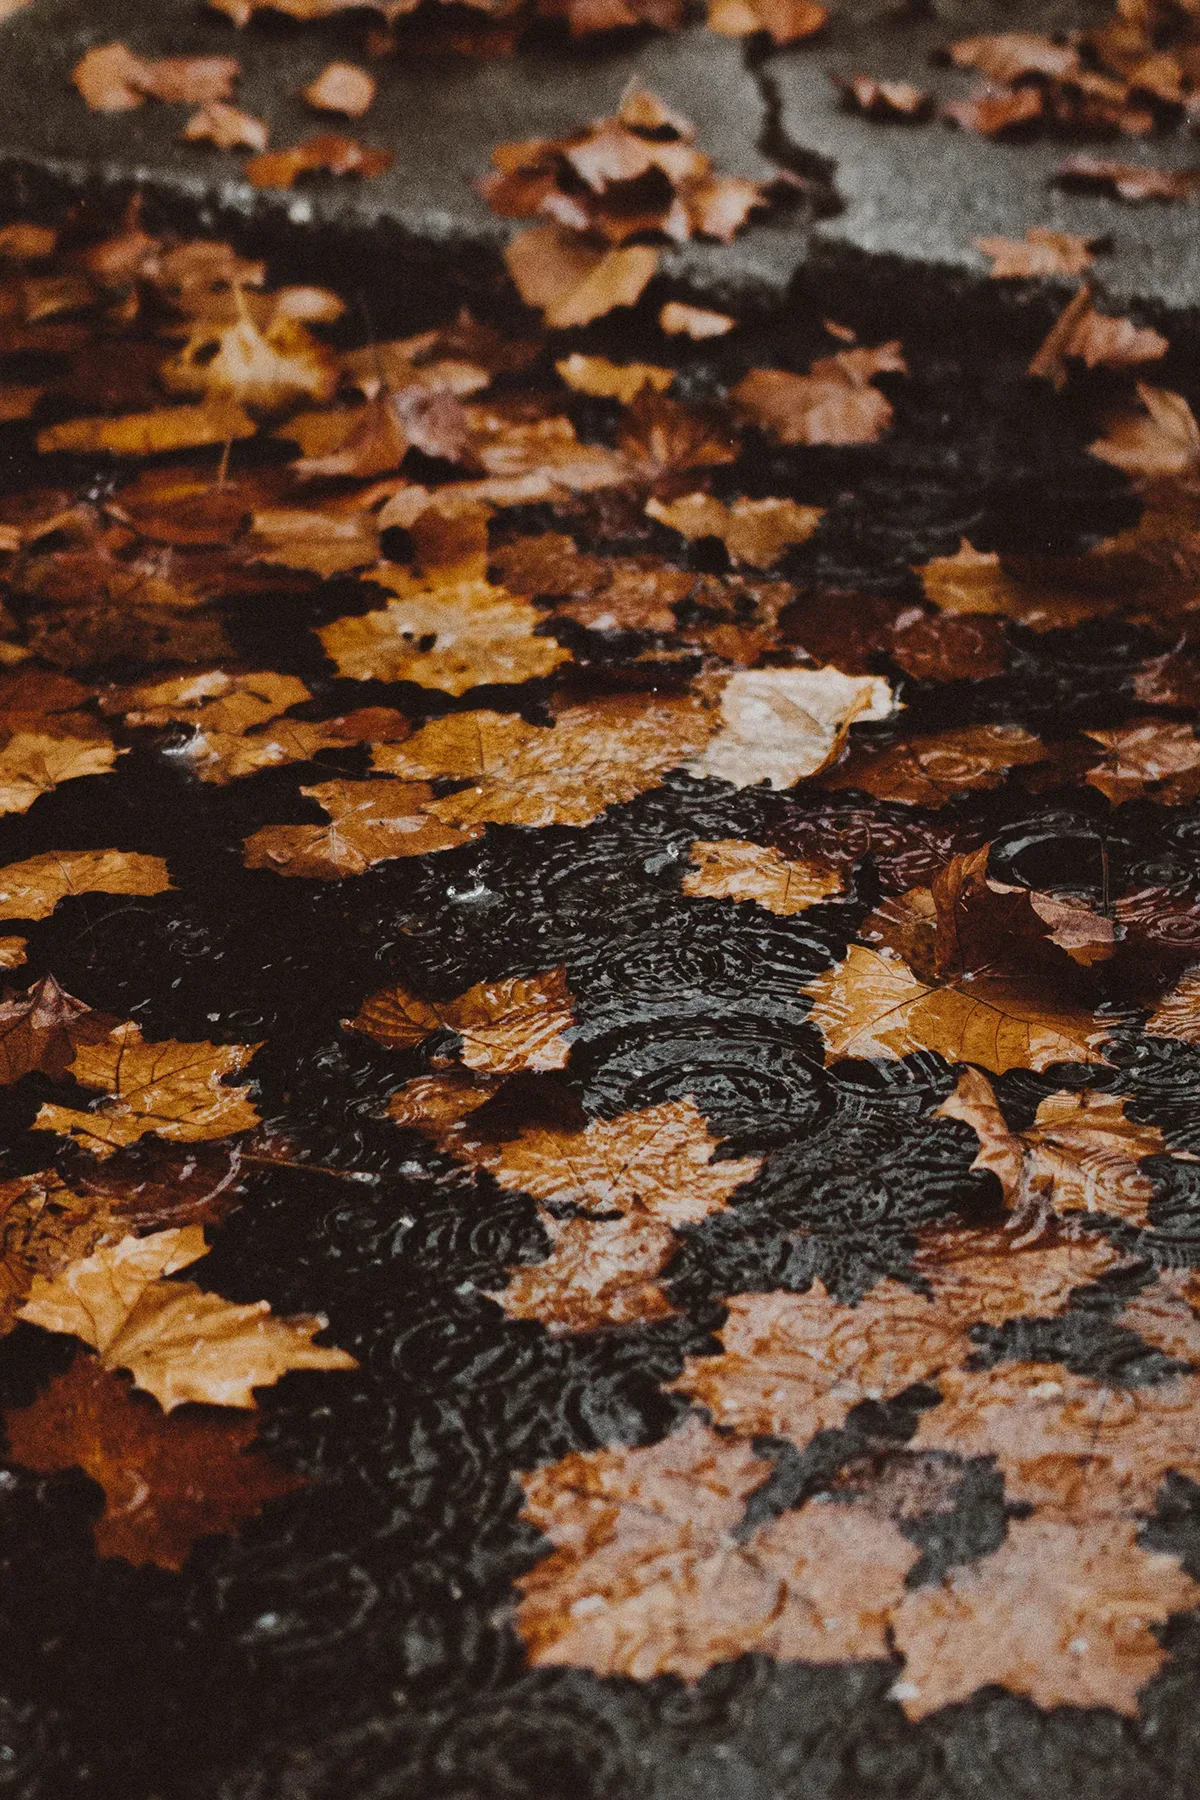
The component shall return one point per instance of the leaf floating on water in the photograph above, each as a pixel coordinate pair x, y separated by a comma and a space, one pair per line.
505, 1025
733, 870
32, 889
371, 822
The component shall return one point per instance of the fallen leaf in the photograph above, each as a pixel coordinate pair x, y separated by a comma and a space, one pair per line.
215, 699
13, 952
178, 1343
571, 281
1095, 339
595, 755
32, 764
1061, 1612
1009, 55
1128, 181
239, 364
883, 99
834, 403
1177, 1014
1041, 253
372, 822
1160, 437
449, 634
32, 889
974, 581
504, 1025
730, 869
111, 79
174, 1089
341, 88
696, 322
930, 770
780, 725
995, 113
23, 241
154, 433
612, 381
646, 1577
166, 1487
757, 532
327, 154
225, 126
1158, 759
787, 21
43, 1028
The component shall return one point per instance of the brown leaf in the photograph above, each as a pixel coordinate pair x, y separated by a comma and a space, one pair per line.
1009, 55
757, 532
992, 114
787, 21
973, 581
612, 381
166, 1486
1158, 438
780, 725
1177, 1014
111, 79
505, 1025
177, 1342
449, 634
23, 241
1041, 253
32, 763
174, 1089
43, 1226
834, 403
326, 154
1164, 1315
696, 322
647, 1578
372, 822
43, 1028
341, 88
215, 699
1158, 759
571, 281
154, 433
883, 99
1061, 1612
239, 364
599, 1272
733, 870
796, 1364
1128, 181
595, 755
1095, 339
930, 770
225, 126
32, 889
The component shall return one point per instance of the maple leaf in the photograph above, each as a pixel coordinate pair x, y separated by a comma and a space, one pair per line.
43, 1028
873, 1005
1155, 758
32, 889
731, 869
225, 126
572, 281
1177, 1014
599, 1272
440, 1107
834, 403
1061, 1612
371, 822
165, 1486
32, 763
780, 725
787, 21
174, 1089
151, 433
930, 770
646, 1577
504, 1025
595, 755
44, 1225
757, 532
612, 381
883, 99
1094, 339
973, 581
1080, 1154
327, 154
177, 1342
697, 322
796, 1364
480, 635
1159, 437
1127, 181
241, 364
341, 88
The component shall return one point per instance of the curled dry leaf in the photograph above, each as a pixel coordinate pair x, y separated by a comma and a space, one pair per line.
327, 154
572, 281
1095, 339
1158, 759
449, 634
787, 21
341, 88
33, 888
172, 1088
1061, 1612
733, 870
757, 532
225, 126
179, 1343
835, 403
647, 1578
371, 822
505, 1025
1041, 252
795, 1364
165, 1486
930, 770
695, 322
595, 755
780, 725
